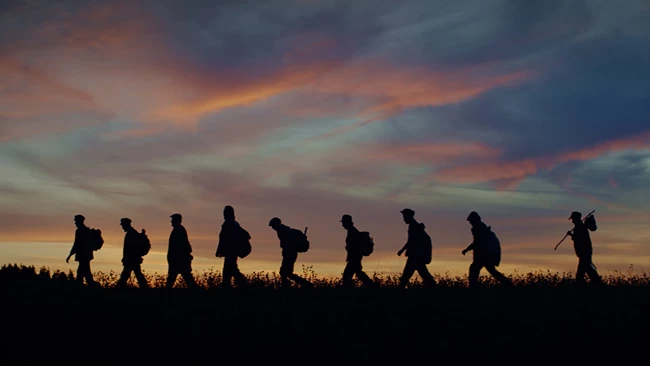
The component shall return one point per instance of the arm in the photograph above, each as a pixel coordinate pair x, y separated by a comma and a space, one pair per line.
469, 247
75, 246
473, 244
219, 252
399, 253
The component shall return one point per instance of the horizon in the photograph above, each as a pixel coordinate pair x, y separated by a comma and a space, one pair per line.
309, 110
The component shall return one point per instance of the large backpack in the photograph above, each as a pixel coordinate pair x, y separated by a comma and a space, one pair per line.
493, 247
299, 240
244, 247
427, 247
145, 243
95, 239
590, 223
366, 243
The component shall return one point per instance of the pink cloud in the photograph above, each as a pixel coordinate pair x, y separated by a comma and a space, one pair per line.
491, 171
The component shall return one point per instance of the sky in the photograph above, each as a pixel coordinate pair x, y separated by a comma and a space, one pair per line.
523, 111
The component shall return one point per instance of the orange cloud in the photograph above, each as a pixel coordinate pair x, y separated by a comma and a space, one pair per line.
234, 93
384, 90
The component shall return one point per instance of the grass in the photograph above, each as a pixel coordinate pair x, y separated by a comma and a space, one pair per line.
545, 318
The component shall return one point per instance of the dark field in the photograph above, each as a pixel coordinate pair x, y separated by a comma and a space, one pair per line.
545, 318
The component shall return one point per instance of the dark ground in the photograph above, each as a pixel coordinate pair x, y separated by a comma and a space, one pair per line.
444, 325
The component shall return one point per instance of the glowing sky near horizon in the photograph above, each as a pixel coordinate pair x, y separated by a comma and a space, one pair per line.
308, 110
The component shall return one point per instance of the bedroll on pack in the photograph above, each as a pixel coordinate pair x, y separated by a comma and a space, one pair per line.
590, 223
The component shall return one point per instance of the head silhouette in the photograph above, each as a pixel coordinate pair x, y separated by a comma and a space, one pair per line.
474, 218
176, 219
575, 217
125, 223
79, 220
275, 223
408, 215
346, 221
229, 213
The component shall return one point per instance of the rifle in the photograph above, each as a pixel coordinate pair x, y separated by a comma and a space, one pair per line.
305, 230
567, 234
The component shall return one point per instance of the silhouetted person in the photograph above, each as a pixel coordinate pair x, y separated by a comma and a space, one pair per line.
482, 257
289, 254
354, 257
230, 240
131, 255
179, 254
82, 250
582, 246
418, 251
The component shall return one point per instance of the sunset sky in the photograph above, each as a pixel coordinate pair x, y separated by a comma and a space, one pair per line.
307, 110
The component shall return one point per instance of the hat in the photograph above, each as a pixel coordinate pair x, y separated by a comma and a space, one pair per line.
79, 218
474, 216
575, 214
346, 218
125, 220
275, 221
408, 212
176, 216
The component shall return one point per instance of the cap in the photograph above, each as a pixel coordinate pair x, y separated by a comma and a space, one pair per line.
79, 218
346, 218
125, 220
474, 216
408, 212
575, 214
176, 216
275, 221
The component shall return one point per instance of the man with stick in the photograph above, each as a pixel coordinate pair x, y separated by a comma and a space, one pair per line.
583, 249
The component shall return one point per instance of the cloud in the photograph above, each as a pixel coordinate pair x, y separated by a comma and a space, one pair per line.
142, 109
487, 172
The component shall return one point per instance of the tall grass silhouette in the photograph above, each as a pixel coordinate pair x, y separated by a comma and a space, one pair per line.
211, 279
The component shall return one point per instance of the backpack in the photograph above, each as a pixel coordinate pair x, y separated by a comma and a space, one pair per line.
95, 239
426, 247
590, 223
145, 244
244, 248
366, 243
493, 247
299, 240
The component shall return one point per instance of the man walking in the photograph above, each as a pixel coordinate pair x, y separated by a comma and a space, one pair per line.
179, 254
289, 253
418, 251
131, 255
82, 250
483, 257
583, 249
354, 255
231, 240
